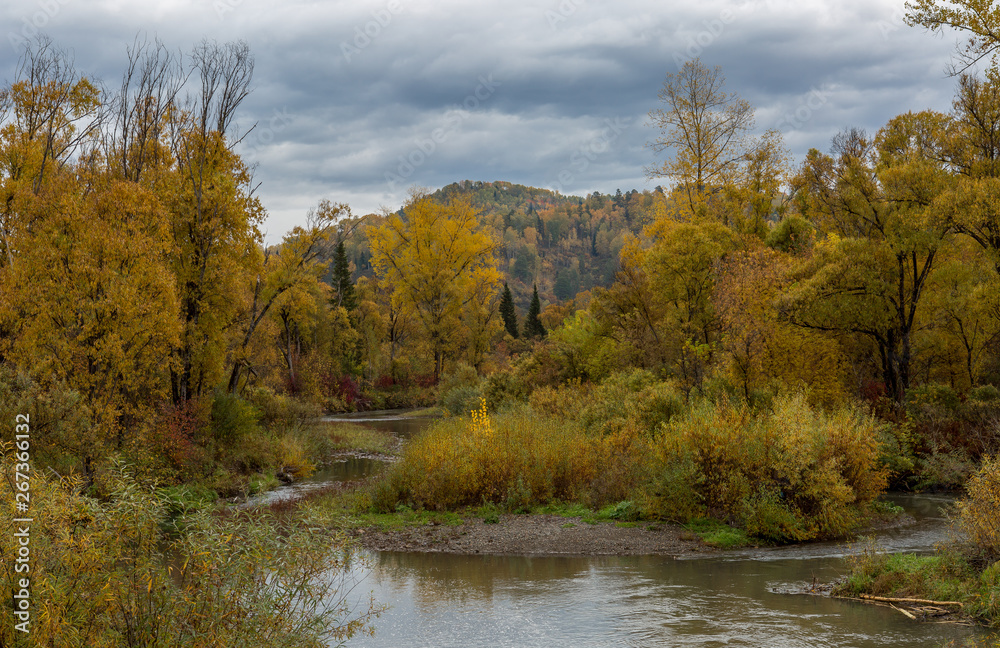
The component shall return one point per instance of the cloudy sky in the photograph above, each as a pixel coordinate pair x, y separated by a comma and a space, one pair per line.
356, 101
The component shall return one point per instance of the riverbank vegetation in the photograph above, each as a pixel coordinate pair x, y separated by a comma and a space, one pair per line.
138, 569
964, 571
789, 473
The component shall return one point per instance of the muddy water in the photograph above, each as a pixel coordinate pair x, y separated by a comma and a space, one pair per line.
737, 600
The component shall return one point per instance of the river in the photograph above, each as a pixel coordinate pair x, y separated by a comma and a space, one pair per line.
445, 600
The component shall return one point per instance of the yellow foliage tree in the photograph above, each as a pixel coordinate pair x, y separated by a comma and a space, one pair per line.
439, 259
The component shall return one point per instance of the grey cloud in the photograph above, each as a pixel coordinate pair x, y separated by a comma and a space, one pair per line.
563, 68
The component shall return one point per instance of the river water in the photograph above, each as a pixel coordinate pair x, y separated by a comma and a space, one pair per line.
739, 599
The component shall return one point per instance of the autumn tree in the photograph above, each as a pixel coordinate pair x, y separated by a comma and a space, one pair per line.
979, 20
438, 258
971, 203
85, 270
215, 217
718, 167
873, 198
293, 266
765, 354
386, 324
49, 115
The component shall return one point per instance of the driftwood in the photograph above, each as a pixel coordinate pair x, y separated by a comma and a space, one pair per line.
908, 600
903, 611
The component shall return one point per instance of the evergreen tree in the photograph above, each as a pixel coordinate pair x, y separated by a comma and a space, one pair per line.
533, 327
342, 287
507, 311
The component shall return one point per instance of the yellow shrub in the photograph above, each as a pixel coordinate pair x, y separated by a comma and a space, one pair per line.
515, 459
791, 474
977, 511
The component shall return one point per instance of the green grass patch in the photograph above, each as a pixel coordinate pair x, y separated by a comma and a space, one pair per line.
353, 510
948, 575
564, 509
568, 525
428, 412
717, 534
489, 512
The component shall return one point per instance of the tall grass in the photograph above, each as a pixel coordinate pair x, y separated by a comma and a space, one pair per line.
516, 460
137, 570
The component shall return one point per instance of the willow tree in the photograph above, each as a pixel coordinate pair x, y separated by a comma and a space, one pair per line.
438, 258
874, 200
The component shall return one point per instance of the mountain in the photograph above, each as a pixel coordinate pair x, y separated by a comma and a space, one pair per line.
565, 244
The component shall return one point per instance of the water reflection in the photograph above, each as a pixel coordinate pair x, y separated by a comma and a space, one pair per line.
449, 600
401, 423
444, 600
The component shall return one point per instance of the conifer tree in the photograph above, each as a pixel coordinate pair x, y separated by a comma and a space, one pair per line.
507, 311
533, 327
342, 287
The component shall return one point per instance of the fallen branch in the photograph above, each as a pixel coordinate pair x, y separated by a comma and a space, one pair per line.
908, 600
903, 611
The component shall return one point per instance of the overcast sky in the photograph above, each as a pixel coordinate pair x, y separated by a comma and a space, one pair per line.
357, 101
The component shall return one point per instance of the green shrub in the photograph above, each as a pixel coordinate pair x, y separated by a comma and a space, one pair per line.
279, 411
636, 397
233, 419
504, 388
461, 375
984, 394
932, 400
459, 401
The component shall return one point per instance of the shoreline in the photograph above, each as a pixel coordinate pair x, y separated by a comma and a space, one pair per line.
539, 534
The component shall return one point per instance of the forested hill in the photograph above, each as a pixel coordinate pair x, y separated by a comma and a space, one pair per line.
565, 244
